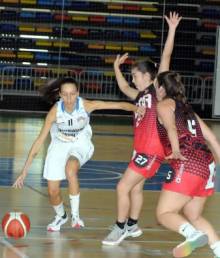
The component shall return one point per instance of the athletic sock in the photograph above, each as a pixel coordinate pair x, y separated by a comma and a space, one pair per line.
59, 209
186, 230
216, 248
121, 225
74, 203
131, 222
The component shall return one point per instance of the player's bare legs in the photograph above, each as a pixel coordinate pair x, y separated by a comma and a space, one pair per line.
136, 200
193, 211
127, 183
56, 200
54, 192
72, 168
120, 231
169, 206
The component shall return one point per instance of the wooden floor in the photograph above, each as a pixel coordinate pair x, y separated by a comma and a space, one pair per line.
98, 206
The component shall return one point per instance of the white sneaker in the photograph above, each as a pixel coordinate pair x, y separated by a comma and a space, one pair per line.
116, 236
57, 223
77, 223
134, 231
198, 239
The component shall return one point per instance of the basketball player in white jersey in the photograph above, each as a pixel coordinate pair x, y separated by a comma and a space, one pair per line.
71, 146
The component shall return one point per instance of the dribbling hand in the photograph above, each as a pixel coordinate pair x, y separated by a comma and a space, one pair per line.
19, 182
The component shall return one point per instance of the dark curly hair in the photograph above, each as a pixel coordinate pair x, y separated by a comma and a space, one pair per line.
51, 90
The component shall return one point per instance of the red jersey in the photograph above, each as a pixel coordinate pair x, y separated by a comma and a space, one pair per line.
146, 138
192, 145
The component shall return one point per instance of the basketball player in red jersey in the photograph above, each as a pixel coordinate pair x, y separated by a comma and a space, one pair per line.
148, 152
191, 178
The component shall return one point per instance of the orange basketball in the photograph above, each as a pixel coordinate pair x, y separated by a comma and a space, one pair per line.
15, 224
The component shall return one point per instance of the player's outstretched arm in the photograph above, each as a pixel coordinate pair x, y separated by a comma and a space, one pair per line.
51, 116
91, 106
122, 82
173, 22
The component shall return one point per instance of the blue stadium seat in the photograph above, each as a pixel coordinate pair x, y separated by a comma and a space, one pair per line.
132, 21
43, 57
115, 20
8, 28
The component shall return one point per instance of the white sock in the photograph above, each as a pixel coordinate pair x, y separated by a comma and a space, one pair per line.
216, 248
59, 209
186, 230
74, 203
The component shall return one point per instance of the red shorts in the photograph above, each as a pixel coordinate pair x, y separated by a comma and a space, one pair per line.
189, 184
145, 164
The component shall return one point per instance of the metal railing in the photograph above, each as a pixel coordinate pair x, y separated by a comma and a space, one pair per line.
23, 81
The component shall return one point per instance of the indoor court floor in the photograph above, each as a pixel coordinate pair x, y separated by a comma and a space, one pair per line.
98, 178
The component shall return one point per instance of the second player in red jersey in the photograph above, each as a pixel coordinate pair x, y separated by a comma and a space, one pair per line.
191, 177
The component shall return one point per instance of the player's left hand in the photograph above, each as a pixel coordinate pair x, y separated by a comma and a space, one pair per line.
176, 155
141, 111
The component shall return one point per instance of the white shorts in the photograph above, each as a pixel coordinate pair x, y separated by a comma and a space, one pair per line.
59, 152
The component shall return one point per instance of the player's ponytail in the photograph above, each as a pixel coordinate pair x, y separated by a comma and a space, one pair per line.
51, 90
171, 82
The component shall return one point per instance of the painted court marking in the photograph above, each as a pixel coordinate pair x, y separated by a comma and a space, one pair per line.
15, 250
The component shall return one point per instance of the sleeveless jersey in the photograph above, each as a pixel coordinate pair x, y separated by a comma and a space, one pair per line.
192, 144
146, 138
69, 126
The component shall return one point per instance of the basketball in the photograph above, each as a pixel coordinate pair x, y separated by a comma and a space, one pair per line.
15, 225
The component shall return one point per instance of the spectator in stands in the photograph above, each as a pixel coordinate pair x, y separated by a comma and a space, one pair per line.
148, 151
70, 147
191, 178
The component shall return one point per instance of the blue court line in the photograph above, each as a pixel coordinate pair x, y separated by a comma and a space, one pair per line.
93, 175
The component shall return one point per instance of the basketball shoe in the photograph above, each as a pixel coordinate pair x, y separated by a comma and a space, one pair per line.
134, 231
116, 236
196, 240
77, 223
57, 223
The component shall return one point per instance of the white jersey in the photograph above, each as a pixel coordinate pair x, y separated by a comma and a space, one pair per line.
70, 126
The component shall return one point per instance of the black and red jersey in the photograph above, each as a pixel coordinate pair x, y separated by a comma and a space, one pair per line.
146, 138
191, 141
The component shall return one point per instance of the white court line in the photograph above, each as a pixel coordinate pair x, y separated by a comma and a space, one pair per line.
72, 239
12, 248
107, 228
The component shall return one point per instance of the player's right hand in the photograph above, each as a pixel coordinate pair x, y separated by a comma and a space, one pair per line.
19, 182
120, 60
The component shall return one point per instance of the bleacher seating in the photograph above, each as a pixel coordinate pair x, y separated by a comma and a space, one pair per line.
93, 32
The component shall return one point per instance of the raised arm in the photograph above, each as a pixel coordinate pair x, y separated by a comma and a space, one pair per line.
122, 82
165, 112
51, 116
173, 22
